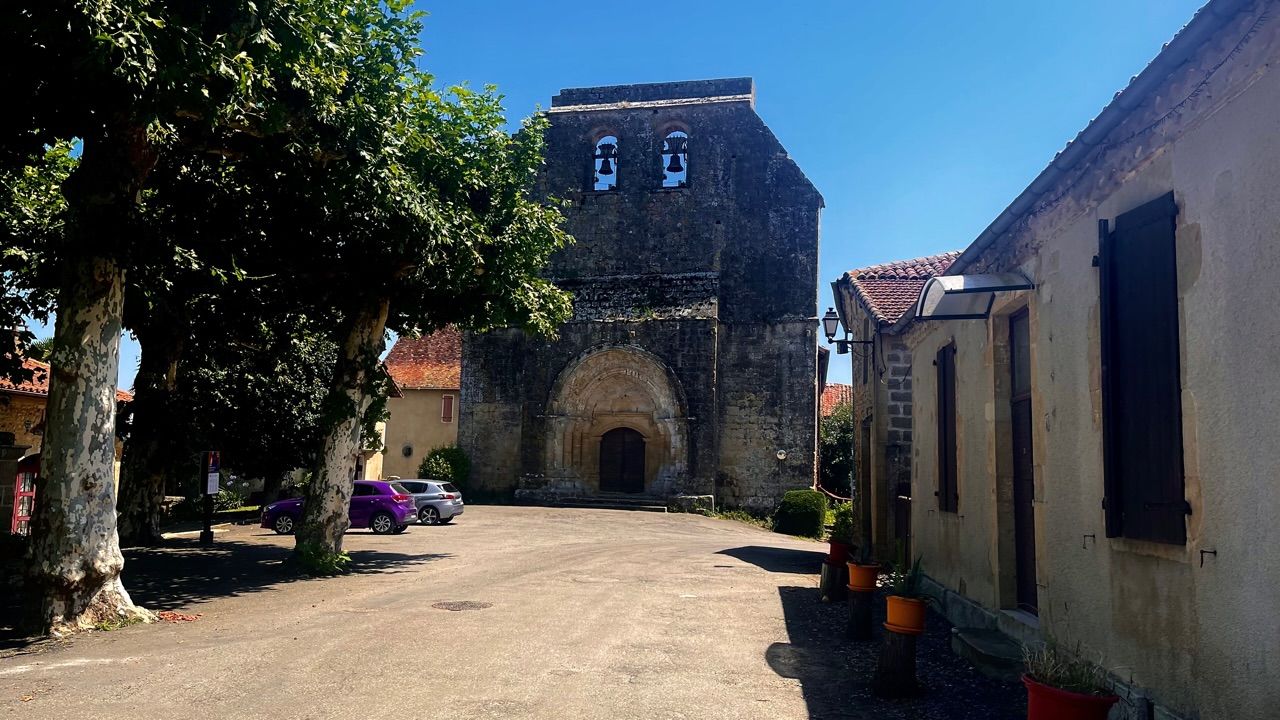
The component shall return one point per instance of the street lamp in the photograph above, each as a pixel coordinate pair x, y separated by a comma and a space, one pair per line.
830, 324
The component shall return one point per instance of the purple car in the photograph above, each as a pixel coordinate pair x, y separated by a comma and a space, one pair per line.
383, 507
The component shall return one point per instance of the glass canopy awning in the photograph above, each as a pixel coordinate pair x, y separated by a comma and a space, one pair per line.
965, 297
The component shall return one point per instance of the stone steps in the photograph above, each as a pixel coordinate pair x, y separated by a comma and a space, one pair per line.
992, 652
614, 502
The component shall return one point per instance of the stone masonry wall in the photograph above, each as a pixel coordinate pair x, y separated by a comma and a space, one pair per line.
714, 283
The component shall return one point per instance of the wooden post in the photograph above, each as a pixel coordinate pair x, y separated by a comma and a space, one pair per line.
860, 614
896, 671
834, 582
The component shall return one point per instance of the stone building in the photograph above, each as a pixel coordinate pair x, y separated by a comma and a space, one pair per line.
1094, 445
869, 301
689, 366
423, 415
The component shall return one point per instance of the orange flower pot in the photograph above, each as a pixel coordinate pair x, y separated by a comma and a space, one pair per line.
862, 578
905, 615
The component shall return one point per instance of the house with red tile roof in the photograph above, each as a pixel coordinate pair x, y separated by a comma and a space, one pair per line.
22, 413
870, 301
833, 396
427, 372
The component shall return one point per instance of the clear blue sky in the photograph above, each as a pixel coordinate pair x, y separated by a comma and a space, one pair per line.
918, 122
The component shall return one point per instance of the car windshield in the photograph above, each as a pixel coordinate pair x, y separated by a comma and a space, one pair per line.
449, 487
398, 489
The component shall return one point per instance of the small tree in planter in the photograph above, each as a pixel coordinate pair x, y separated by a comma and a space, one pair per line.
906, 602
841, 537
1062, 684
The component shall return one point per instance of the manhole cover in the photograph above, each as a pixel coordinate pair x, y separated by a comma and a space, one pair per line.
459, 605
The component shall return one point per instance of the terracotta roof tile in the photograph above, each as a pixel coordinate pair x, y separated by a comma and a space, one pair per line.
39, 383
890, 289
833, 396
431, 362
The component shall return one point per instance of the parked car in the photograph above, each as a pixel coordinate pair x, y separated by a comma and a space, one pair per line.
438, 502
383, 507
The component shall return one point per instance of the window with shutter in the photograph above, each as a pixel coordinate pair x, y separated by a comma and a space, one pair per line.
446, 409
948, 490
1141, 382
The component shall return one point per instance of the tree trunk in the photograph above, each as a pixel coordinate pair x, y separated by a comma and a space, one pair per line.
149, 449
75, 556
318, 545
895, 675
860, 614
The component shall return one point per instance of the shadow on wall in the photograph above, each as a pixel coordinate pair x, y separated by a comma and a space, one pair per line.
182, 573
835, 673
782, 560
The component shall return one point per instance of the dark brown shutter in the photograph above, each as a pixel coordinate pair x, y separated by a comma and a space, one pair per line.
948, 492
1142, 386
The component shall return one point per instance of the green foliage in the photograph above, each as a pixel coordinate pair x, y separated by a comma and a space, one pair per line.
448, 463
435, 467
741, 516
41, 349
318, 562
908, 581
1065, 669
801, 512
835, 450
842, 524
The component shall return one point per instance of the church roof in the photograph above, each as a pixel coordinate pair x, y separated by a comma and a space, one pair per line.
431, 362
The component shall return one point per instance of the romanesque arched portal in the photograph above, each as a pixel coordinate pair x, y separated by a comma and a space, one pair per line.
599, 394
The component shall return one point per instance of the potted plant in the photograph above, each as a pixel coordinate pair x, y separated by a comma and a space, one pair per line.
862, 571
906, 602
1061, 684
841, 535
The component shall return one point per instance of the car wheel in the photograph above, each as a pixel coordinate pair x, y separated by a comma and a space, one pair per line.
283, 524
429, 516
399, 529
382, 523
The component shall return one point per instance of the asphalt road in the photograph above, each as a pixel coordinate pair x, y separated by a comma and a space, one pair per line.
547, 613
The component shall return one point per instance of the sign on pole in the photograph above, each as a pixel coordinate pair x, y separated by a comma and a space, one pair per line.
211, 473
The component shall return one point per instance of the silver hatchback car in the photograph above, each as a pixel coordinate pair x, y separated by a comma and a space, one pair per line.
438, 502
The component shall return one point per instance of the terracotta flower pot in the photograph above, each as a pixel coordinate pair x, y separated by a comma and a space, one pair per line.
838, 554
862, 578
905, 615
1045, 702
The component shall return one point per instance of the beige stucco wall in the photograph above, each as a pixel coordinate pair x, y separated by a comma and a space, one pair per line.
1203, 639
415, 421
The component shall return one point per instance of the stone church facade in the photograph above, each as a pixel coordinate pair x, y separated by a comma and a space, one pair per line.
689, 366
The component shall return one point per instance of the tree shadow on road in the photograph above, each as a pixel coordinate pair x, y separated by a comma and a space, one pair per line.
183, 572
775, 559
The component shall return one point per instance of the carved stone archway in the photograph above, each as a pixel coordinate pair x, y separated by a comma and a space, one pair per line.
616, 387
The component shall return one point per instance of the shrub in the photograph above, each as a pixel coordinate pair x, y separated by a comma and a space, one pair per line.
802, 512
842, 525
435, 467
447, 463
